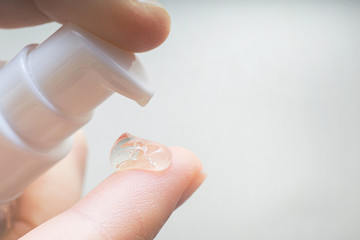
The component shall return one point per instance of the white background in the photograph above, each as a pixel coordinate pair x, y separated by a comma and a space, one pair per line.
267, 94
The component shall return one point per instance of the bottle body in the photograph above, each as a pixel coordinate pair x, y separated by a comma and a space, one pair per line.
21, 164
33, 135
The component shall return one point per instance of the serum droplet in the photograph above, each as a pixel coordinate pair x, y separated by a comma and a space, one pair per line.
130, 152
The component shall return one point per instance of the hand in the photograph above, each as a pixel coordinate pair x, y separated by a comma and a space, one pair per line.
127, 205
130, 204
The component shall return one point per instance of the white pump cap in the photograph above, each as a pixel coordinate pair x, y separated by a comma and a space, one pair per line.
77, 70
49, 91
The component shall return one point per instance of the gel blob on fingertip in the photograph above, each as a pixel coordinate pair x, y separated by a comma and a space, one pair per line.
130, 152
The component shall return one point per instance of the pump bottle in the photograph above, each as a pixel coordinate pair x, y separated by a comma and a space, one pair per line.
48, 92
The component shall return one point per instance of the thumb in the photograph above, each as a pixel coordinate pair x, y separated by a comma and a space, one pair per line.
131, 204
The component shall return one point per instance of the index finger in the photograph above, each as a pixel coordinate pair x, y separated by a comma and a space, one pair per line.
133, 25
132, 204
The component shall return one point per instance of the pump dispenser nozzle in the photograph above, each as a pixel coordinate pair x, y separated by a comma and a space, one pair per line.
77, 71
49, 91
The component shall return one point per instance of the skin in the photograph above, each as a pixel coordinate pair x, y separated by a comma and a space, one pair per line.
128, 24
127, 205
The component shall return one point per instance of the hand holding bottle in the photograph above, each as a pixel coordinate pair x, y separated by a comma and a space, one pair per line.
134, 202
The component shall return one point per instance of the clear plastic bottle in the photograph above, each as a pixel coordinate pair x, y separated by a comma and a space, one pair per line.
47, 93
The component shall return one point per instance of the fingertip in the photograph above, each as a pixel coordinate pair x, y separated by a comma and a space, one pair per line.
149, 198
137, 27
185, 158
191, 189
132, 25
154, 28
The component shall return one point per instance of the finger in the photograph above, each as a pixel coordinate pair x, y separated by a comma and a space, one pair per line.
127, 205
20, 13
54, 192
134, 25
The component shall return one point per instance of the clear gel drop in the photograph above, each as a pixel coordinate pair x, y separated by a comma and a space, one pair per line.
130, 152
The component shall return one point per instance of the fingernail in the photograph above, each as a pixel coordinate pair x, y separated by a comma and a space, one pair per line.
130, 152
152, 2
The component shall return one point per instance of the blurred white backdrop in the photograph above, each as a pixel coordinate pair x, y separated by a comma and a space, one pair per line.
267, 95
